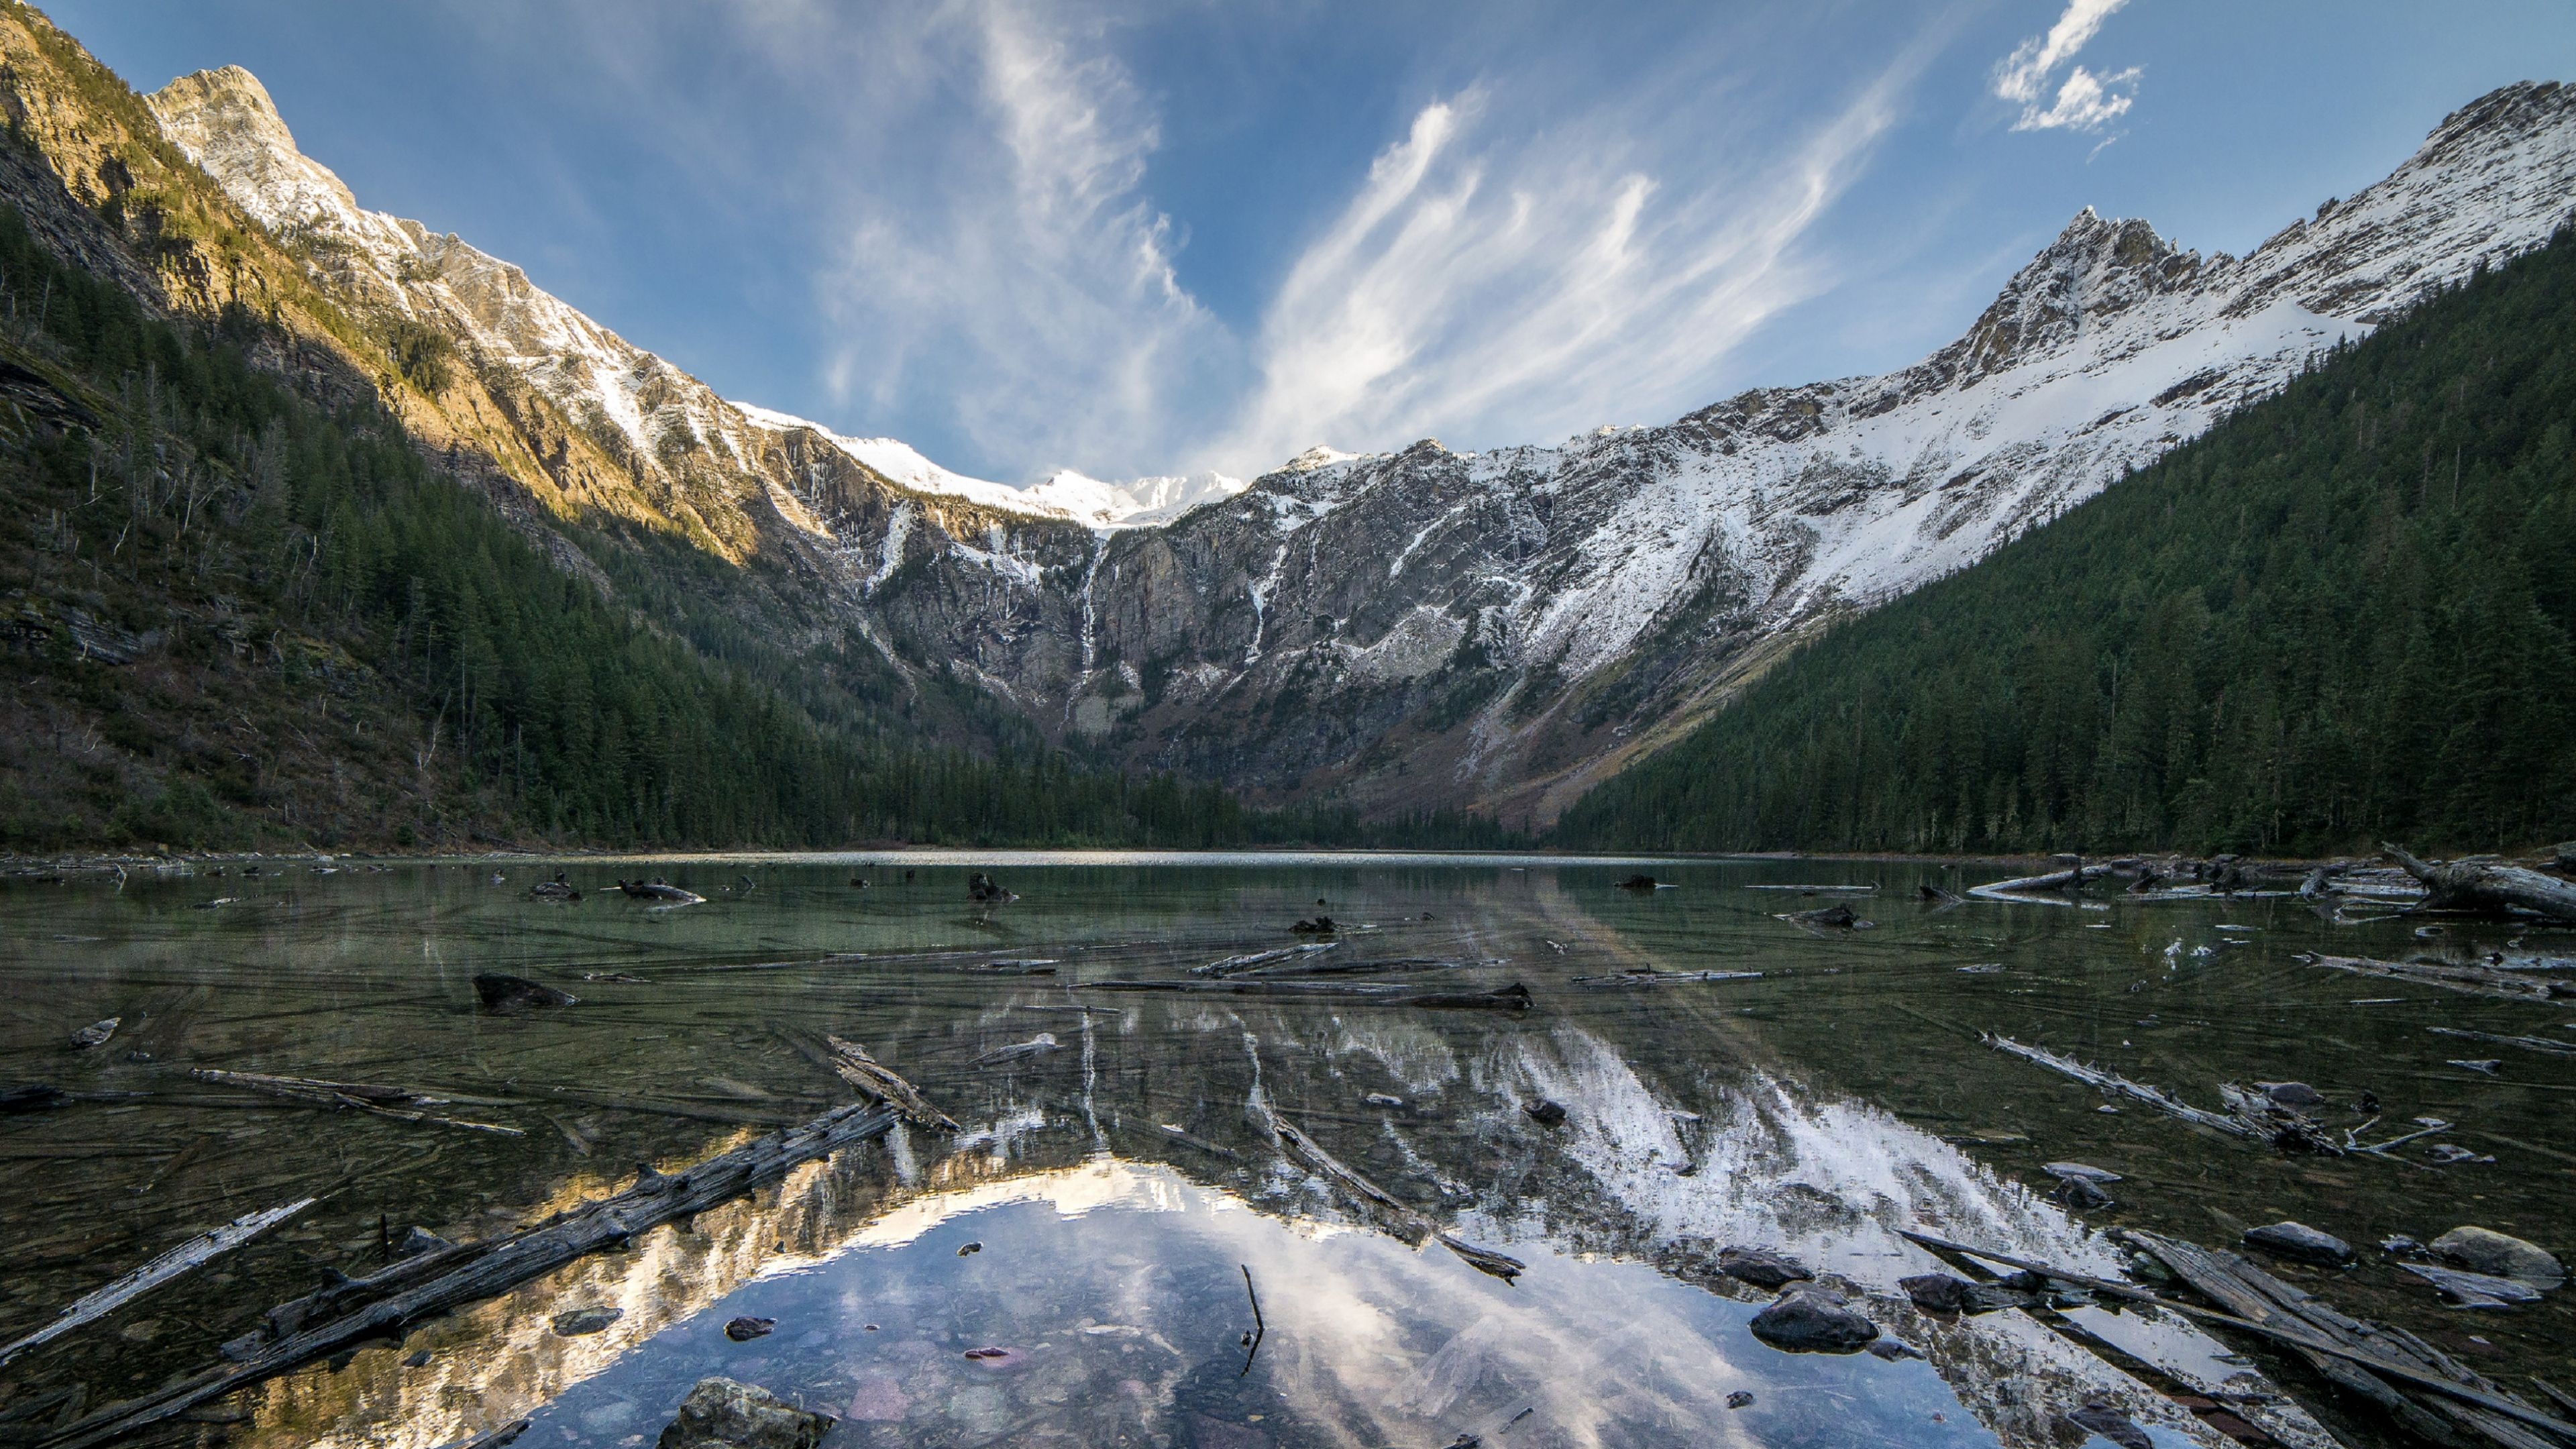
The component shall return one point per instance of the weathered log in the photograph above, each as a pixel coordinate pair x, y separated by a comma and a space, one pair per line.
2487, 888
1650, 977
2527, 1043
2022, 888
160, 1270
2356, 1356
1514, 997
373, 1100
1255, 960
2114, 1084
2476, 980
2252, 1309
1412, 1225
385, 1304
864, 1072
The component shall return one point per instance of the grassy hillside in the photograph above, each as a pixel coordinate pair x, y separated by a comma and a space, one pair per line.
2342, 615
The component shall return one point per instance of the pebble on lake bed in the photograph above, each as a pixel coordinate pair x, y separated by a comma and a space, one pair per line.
2300, 1243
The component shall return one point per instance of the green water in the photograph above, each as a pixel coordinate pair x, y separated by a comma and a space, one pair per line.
1122, 1180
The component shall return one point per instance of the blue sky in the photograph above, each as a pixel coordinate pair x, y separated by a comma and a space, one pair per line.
1179, 234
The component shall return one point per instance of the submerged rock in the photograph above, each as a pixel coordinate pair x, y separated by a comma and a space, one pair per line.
1895, 1350
1638, 883
500, 992
2111, 1424
32, 1097
1940, 1293
96, 1033
1836, 917
418, 1241
2483, 1250
2083, 1170
1314, 926
1761, 1267
722, 1414
747, 1328
1544, 1112
1810, 1318
984, 890
2297, 1096
1741, 1398
582, 1321
2300, 1243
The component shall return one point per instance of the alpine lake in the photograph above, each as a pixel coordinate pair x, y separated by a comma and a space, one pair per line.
1121, 1246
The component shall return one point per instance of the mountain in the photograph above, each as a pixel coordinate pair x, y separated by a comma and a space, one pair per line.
2346, 614
1422, 628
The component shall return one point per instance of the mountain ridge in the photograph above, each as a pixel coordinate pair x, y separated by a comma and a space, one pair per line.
1543, 613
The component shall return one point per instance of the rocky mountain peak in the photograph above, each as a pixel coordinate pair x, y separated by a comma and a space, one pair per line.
2096, 269
224, 121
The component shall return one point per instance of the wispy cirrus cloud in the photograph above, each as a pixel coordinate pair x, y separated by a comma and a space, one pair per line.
2083, 99
1519, 290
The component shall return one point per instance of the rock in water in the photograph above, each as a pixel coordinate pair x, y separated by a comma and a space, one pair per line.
1836, 917
1761, 1267
1811, 1319
745, 1329
1940, 1293
984, 890
32, 1097
1638, 883
517, 993
722, 1414
2300, 1243
1545, 1113
581, 1321
2483, 1250
2084, 1170
96, 1033
2111, 1424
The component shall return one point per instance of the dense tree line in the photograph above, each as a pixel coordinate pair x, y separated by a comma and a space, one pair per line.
290, 572
2344, 614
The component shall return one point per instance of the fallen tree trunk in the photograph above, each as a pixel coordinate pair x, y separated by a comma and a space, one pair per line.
383, 1305
160, 1270
2477, 980
390, 1102
1412, 1224
1514, 997
2486, 889
2019, 889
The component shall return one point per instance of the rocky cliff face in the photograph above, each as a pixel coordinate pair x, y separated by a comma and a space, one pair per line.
1419, 628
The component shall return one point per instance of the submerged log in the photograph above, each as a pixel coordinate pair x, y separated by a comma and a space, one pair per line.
867, 1074
386, 1304
2476, 980
2489, 889
2359, 1357
1255, 960
400, 1104
1647, 976
1413, 1225
2324, 1337
1514, 997
160, 1270
656, 890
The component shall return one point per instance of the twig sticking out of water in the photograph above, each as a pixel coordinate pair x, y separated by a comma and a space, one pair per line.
1260, 1330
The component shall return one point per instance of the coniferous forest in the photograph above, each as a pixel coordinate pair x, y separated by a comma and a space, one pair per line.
2343, 615
239, 618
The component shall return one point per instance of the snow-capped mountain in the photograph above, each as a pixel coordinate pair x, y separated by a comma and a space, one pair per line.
1426, 627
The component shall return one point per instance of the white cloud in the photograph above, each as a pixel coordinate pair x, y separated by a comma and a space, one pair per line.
1031, 284
1502, 291
2084, 101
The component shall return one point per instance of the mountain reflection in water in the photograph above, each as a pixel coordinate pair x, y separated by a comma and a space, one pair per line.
1120, 1183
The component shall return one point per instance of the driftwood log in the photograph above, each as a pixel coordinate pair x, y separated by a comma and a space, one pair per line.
2256, 1303
181, 1259
2476, 980
2489, 889
1514, 997
356, 1311
1413, 1226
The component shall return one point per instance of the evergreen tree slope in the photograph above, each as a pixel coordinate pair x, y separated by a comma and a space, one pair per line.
2344, 614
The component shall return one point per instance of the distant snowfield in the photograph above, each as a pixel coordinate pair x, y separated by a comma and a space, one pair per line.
1139, 503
